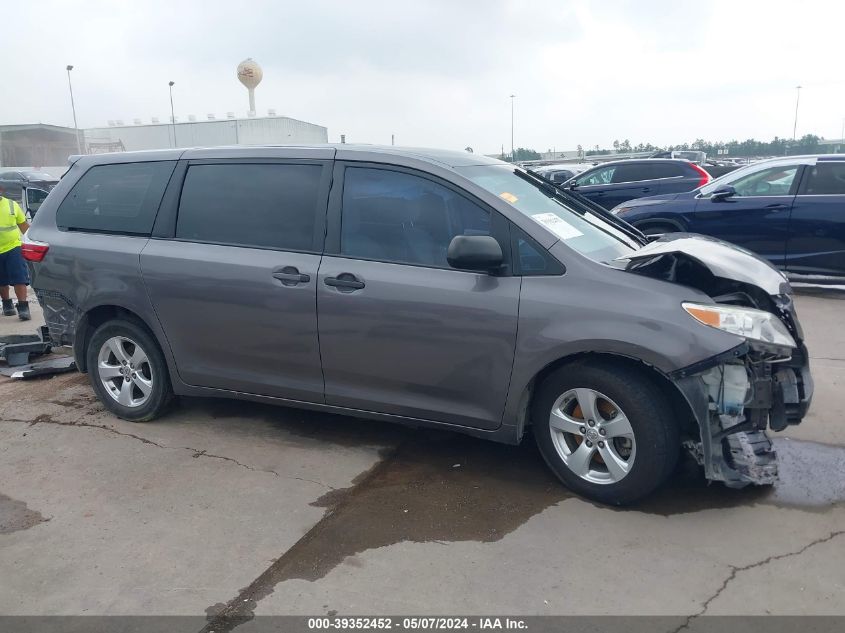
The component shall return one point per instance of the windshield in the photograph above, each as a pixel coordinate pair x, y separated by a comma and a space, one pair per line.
587, 233
38, 175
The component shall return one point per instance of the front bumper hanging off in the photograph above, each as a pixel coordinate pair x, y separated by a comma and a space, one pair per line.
735, 397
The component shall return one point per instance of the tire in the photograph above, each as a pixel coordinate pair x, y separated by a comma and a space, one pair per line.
658, 229
633, 460
149, 391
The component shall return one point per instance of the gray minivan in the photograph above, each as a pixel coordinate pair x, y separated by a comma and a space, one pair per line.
426, 287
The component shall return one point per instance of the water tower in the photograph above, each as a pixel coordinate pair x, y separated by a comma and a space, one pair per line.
250, 75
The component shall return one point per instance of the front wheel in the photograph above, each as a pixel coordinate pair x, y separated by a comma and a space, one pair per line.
128, 372
606, 432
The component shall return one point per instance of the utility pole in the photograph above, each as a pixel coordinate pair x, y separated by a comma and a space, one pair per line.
513, 155
797, 99
73, 107
172, 115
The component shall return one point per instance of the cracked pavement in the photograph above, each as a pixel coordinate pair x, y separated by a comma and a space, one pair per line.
237, 509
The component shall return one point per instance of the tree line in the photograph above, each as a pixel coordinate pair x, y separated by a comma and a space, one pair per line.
807, 144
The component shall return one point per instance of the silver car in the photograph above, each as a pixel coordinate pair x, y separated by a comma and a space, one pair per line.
425, 287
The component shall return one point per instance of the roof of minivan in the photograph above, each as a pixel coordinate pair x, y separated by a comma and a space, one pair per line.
443, 157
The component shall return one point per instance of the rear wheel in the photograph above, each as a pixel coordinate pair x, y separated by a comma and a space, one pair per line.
128, 372
606, 432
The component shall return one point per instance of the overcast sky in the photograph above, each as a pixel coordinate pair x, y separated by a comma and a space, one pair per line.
439, 72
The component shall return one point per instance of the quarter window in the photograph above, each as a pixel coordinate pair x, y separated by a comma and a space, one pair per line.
264, 205
120, 198
533, 258
826, 178
398, 217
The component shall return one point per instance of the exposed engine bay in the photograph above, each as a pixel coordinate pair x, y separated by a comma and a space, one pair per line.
736, 395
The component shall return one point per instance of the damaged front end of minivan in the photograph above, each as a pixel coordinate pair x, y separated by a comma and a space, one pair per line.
763, 382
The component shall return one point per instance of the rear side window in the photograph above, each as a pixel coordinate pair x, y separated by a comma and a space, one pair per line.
826, 178
121, 198
264, 205
635, 172
398, 217
671, 170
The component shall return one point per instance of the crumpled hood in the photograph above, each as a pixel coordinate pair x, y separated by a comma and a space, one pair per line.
720, 258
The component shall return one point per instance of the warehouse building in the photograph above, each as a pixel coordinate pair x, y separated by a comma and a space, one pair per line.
270, 130
47, 147
36, 145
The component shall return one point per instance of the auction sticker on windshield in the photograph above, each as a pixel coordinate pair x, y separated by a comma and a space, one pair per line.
556, 225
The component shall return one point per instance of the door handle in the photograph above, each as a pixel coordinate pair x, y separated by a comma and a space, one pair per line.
646, 189
344, 282
290, 276
777, 207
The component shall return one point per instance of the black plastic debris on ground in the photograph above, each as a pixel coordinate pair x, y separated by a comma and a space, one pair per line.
17, 348
59, 365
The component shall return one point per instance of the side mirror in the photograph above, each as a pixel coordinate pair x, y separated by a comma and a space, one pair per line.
480, 253
723, 193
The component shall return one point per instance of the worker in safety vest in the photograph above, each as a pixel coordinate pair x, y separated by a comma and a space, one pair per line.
13, 270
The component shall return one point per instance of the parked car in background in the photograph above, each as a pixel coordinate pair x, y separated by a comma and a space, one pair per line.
31, 199
789, 210
562, 172
13, 182
433, 288
693, 156
610, 184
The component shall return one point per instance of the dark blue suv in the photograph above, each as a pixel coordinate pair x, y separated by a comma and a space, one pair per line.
789, 210
612, 183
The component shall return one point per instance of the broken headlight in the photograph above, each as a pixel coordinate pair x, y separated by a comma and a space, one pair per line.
756, 325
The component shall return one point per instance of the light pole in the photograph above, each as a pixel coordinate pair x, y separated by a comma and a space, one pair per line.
172, 115
513, 155
797, 99
73, 107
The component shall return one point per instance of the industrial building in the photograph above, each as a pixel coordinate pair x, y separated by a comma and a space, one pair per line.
36, 145
271, 130
47, 147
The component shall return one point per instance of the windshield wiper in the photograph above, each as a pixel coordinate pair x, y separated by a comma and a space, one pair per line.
582, 205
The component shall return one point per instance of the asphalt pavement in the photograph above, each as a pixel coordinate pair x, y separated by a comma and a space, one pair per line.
238, 508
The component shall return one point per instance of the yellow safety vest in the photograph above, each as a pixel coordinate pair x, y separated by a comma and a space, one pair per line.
11, 215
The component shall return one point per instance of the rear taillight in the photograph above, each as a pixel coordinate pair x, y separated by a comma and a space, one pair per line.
705, 177
33, 251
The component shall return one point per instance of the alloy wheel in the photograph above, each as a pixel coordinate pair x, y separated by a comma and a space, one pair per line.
125, 372
592, 436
